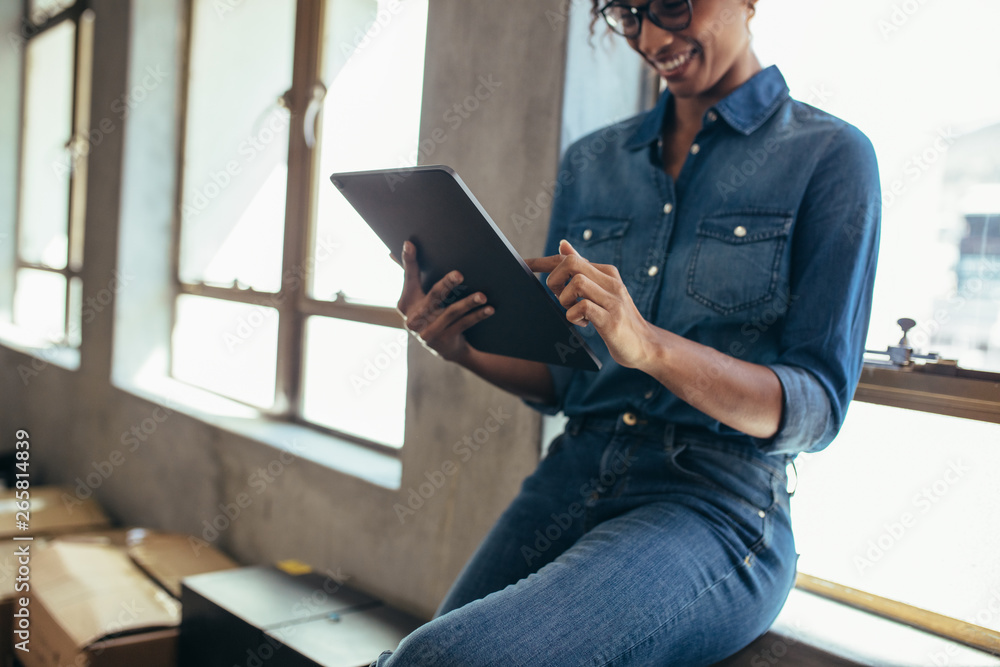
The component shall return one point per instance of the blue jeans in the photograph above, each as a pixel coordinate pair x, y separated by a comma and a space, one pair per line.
631, 544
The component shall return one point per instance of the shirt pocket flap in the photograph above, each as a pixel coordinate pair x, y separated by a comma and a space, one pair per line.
595, 230
746, 226
599, 240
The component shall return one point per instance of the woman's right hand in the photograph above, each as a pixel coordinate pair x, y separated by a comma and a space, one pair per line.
437, 318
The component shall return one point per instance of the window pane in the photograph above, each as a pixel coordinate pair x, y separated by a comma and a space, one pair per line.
374, 70
227, 347
935, 125
236, 143
355, 378
904, 504
40, 304
40, 10
45, 163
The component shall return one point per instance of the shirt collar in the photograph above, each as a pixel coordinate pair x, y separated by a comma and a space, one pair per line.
745, 109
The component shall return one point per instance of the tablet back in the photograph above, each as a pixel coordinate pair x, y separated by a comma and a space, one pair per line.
431, 207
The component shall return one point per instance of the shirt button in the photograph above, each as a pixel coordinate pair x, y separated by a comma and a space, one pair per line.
694, 149
667, 208
649, 394
740, 231
653, 270
712, 116
630, 418
587, 233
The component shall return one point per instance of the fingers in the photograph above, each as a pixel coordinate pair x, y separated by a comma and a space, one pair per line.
543, 264
441, 293
459, 316
412, 289
566, 248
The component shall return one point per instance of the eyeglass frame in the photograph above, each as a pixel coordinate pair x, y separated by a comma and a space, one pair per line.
638, 12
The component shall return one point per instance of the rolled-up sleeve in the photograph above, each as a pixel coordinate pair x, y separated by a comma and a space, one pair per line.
834, 250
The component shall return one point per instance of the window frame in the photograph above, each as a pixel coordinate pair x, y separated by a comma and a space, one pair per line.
292, 301
79, 13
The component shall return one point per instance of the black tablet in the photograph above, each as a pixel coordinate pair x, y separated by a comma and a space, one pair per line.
431, 207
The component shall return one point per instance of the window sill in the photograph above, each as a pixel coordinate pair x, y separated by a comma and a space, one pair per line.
343, 456
812, 630
17, 339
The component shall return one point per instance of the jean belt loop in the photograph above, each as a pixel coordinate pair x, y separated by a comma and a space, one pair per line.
793, 483
668, 437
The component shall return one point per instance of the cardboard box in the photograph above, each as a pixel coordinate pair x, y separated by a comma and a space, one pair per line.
53, 510
265, 615
92, 604
91, 599
169, 557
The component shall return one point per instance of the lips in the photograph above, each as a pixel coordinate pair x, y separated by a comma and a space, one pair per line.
674, 62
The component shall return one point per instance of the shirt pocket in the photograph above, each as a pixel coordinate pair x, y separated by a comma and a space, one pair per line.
599, 240
736, 263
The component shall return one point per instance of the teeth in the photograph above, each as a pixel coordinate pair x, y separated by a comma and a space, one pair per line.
673, 64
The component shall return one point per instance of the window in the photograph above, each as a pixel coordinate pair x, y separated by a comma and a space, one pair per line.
47, 308
285, 300
903, 504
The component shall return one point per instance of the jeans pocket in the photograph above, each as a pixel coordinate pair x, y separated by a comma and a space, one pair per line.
741, 488
737, 259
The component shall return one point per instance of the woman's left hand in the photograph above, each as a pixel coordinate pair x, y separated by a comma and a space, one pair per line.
595, 294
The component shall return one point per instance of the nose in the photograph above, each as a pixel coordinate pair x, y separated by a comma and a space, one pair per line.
652, 38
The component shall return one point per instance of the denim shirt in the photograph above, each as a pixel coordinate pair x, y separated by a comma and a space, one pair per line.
764, 248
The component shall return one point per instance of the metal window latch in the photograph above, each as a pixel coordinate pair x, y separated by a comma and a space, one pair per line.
902, 354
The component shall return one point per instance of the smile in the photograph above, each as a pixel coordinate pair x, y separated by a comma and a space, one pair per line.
675, 63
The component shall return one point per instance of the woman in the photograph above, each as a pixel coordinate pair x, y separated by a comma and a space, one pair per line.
719, 254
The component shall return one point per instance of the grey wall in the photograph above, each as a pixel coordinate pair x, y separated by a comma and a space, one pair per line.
182, 472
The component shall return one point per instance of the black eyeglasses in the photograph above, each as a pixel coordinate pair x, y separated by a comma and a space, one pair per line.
626, 19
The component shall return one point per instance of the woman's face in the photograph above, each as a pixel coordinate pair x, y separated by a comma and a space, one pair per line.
707, 56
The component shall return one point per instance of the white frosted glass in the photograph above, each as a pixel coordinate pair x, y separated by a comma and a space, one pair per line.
355, 379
